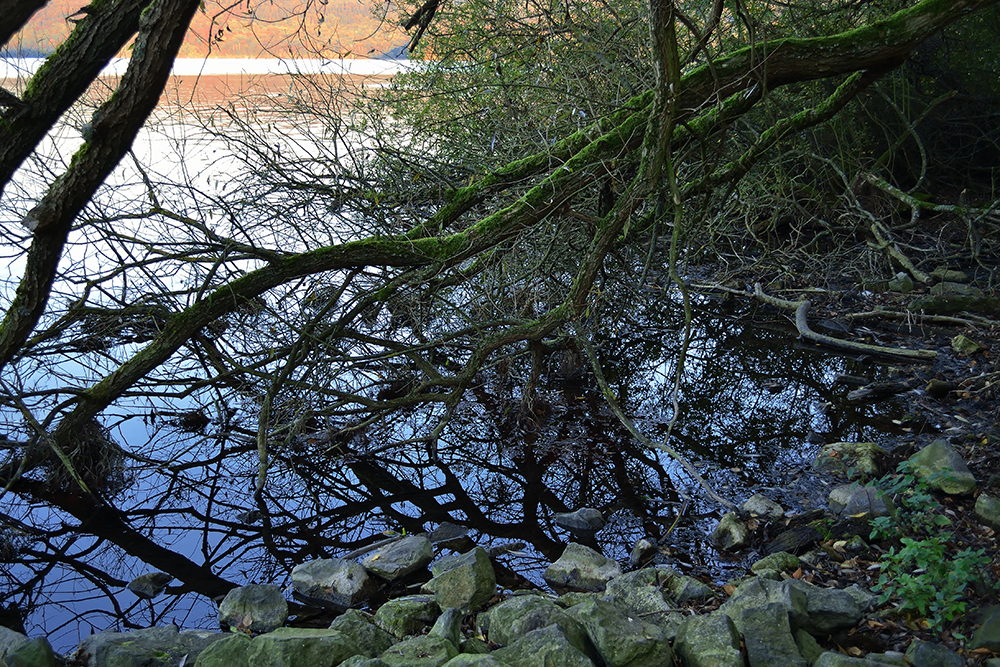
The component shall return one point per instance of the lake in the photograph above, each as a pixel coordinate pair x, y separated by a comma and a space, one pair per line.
177, 458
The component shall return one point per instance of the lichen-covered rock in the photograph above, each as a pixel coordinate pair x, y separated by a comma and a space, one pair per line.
162, 646
760, 505
831, 659
711, 640
468, 660
231, 651
361, 661
768, 637
10, 640
544, 647
781, 561
297, 647
581, 568
464, 581
584, 522
853, 459
368, 638
988, 510
342, 582
148, 586
641, 592
254, 608
925, 654
988, 635
36, 652
400, 558
731, 534
758, 592
962, 344
642, 552
827, 609
864, 503
407, 615
522, 614
622, 640
943, 468
426, 651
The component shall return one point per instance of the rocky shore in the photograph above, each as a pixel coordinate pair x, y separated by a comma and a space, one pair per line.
651, 616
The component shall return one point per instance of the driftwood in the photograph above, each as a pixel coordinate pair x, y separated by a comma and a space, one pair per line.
801, 309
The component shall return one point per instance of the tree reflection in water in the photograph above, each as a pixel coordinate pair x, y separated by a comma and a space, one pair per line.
500, 468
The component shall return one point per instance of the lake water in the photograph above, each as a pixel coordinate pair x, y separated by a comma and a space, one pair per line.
752, 402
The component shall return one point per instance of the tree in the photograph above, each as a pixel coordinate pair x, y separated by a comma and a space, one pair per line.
355, 295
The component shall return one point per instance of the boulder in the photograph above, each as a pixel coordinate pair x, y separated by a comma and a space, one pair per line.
988, 510
254, 608
642, 552
853, 459
368, 638
925, 654
581, 568
622, 640
761, 506
361, 661
162, 646
860, 502
400, 558
709, 641
449, 626
544, 647
231, 651
33, 653
10, 640
640, 593
584, 522
962, 344
468, 660
731, 534
342, 582
148, 586
768, 637
520, 615
407, 615
758, 592
940, 466
464, 581
827, 609
831, 659
426, 651
298, 647
780, 561
988, 635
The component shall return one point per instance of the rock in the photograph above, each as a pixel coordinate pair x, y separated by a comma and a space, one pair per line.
10, 640
161, 646
827, 609
681, 587
988, 635
407, 615
888, 659
544, 647
709, 641
866, 503
642, 552
523, 614
768, 637
464, 581
794, 540
342, 582
584, 522
581, 568
292, 647
34, 653
830, 659
964, 345
939, 388
758, 593
853, 459
622, 640
808, 647
232, 651
781, 561
945, 275
949, 289
949, 304
902, 282
449, 626
760, 505
988, 510
400, 558
426, 651
731, 534
369, 639
254, 608
925, 654
943, 468
641, 593
148, 586
361, 661
467, 660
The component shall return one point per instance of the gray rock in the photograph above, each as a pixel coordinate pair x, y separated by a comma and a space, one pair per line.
946, 275
988, 635
426, 651
942, 467
162, 646
888, 659
400, 558
35, 653
622, 640
10, 640
544, 647
839, 495
464, 581
831, 659
342, 582
231, 651
709, 641
768, 637
449, 626
808, 647
954, 288
407, 615
962, 344
520, 615
827, 609
866, 503
780, 561
760, 505
467, 660
361, 661
255, 608
368, 638
853, 459
757, 592
584, 522
731, 534
642, 552
148, 586
295, 647
988, 510
681, 587
640, 592
581, 568
925, 654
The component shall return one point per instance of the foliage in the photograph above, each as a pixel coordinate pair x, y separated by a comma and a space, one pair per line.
925, 574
